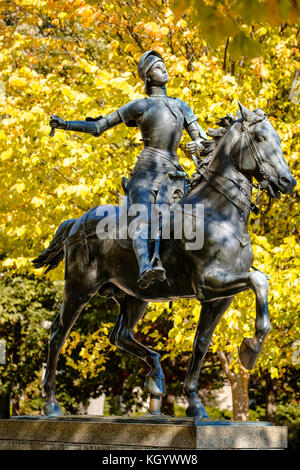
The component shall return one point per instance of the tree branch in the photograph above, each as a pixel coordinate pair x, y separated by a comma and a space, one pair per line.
225, 365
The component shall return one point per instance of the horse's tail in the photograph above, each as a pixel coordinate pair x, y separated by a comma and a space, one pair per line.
54, 253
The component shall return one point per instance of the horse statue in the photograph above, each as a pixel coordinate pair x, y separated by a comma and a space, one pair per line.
244, 147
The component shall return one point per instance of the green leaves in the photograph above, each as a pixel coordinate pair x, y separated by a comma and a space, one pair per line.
25, 304
250, 11
219, 19
244, 45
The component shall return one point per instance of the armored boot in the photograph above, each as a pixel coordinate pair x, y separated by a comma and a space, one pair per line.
148, 273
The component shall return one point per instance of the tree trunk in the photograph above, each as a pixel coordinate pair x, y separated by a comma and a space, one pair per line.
240, 399
114, 405
4, 406
15, 406
168, 402
270, 400
239, 388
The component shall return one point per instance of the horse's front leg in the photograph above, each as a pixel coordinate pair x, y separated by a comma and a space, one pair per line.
131, 311
211, 313
232, 283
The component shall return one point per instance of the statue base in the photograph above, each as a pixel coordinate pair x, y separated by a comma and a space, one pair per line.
146, 432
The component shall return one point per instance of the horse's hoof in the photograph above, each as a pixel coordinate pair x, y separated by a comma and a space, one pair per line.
249, 352
196, 411
52, 409
155, 384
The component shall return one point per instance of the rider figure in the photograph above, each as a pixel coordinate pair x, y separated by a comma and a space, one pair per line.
161, 120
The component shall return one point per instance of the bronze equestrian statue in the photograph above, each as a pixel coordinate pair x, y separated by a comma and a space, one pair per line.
243, 148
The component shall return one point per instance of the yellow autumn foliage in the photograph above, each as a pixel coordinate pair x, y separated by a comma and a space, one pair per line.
79, 58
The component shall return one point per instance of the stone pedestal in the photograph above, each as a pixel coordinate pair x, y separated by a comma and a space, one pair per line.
92, 432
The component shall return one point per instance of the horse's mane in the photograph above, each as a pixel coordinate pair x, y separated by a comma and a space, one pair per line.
210, 145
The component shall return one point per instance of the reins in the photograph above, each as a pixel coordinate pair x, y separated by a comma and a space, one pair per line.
212, 177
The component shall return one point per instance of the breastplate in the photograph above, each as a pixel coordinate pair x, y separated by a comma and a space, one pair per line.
162, 124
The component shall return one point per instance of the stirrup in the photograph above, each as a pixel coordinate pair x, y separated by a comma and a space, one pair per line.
151, 275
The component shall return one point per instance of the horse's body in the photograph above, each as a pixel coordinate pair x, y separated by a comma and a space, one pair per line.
213, 274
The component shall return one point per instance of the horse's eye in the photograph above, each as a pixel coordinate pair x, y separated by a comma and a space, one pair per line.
260, 138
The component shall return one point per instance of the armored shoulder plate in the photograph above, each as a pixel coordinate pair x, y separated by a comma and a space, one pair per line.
189, 116
130, 111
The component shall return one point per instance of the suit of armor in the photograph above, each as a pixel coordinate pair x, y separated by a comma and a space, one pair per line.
161, 120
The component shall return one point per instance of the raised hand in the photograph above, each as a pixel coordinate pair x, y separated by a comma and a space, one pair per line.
57, 122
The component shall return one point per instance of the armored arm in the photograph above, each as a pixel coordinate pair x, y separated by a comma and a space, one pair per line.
197, 135
95, 128
127, 114
195, 132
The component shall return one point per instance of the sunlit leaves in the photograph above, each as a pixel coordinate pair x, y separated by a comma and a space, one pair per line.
93, 351
79, 58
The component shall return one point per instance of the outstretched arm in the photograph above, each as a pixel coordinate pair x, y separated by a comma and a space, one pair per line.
197, 135
95, 128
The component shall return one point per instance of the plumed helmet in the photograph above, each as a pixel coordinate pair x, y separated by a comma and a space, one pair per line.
146, 61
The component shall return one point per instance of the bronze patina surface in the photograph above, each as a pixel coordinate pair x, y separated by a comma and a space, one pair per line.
245, 147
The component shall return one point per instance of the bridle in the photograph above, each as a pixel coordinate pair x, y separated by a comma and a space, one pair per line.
211, 176
255, 152
264, 183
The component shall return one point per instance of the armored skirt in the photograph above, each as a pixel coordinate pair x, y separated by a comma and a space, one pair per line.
148, 174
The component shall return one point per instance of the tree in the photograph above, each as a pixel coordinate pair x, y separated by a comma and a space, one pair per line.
123, 374
25, 305
233, 23
79, 58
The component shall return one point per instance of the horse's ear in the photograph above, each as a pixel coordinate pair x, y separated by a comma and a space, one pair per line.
246, 114
260, 112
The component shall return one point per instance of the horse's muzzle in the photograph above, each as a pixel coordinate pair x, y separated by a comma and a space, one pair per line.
286, 184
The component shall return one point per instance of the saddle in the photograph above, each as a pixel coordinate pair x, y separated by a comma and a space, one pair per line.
173, 187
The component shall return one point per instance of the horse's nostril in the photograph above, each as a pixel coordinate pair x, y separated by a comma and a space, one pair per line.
284, 181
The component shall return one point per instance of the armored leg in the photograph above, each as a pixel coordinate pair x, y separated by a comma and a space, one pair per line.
139, 231
147, 273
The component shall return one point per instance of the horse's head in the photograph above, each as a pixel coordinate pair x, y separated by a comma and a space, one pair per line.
257, 152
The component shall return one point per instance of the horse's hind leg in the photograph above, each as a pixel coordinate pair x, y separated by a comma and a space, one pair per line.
74, 301
131, 311
211, 313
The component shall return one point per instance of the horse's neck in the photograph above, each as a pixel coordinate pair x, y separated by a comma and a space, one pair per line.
229, 180
222, 164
